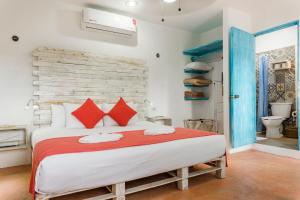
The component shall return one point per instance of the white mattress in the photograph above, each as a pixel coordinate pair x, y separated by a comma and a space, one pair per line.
71, 172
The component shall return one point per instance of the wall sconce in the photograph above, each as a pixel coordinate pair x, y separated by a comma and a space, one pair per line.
30, 104
150, 105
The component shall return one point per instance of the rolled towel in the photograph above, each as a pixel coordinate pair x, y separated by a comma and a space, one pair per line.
98, 138
159, 130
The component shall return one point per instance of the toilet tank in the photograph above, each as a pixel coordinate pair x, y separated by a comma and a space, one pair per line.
281, 109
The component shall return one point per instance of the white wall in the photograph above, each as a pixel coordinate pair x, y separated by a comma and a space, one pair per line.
209, 36
276, 40
55, 24
275, 13
242, 20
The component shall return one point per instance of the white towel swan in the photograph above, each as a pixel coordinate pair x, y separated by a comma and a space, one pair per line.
159, 130
98, 138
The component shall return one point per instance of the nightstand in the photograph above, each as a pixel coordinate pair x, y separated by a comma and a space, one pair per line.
160, 120
14, 145
13, 137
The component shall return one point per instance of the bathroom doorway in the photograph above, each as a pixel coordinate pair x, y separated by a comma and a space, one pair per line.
276, 86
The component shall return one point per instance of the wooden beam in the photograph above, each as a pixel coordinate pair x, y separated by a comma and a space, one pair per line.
119, 191
183, 173
152, 185
102, 197
203, 171
42, 197
221, 173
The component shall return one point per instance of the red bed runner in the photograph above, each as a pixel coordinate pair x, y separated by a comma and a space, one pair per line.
66, 145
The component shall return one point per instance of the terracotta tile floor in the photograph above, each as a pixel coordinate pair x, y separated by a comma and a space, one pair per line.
251, 175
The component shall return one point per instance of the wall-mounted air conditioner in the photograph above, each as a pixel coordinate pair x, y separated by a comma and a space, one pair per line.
103, 21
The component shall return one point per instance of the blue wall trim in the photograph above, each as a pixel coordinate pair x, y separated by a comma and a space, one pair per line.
277, 28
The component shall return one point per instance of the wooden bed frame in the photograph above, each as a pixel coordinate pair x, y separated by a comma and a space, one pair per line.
181, 176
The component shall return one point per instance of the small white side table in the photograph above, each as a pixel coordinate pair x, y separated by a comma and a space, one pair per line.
14, 146
13, 137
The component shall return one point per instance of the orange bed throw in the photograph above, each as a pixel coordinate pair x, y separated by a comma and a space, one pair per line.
66, 145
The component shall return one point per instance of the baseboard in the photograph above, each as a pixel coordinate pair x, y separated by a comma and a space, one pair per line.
268, 149
277, 150
242, 148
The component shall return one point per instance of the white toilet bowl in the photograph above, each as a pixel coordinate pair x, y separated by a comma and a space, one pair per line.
273, 126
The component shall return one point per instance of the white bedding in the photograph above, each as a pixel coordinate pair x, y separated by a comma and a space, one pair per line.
71, 172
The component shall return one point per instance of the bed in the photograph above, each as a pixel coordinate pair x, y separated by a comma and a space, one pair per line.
88, 170
70, 77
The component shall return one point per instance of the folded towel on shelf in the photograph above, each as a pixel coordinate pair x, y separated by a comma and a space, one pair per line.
97, 138
193, 94
199, 66
159, 130
197, 80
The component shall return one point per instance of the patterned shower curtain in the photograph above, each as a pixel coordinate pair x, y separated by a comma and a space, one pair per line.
262, 107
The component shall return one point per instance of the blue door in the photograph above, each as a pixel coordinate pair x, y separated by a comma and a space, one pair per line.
242, 88
298, 83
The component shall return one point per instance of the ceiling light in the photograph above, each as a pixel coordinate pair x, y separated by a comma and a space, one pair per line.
131, 3
169, 1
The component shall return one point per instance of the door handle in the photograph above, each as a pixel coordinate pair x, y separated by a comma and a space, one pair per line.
234, 96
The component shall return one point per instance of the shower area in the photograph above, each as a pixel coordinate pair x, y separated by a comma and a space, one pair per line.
276, 89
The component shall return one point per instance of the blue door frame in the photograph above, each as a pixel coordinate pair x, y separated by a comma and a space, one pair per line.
277, 28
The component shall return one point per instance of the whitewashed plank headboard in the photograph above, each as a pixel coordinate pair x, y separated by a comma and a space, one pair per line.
72, 76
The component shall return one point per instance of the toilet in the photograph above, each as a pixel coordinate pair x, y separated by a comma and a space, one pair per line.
273, 124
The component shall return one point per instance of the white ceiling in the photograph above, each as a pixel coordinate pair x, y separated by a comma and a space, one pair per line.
196, 15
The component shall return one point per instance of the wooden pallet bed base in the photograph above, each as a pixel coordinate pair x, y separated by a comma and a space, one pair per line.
118, 191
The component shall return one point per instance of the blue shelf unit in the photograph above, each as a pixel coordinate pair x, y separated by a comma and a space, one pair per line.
195, 86
195, 71
196, 99
197, 52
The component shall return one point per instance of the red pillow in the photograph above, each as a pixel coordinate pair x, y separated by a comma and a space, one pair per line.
88, 114
121, 112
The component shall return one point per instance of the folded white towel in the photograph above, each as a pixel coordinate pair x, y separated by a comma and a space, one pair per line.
198, 66
159, 130
97, 138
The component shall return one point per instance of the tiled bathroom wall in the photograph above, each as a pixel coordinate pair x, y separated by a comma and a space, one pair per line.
281, 83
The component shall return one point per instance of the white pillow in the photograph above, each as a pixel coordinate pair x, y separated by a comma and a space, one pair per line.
199, 66
58, 118
108, 121
72, 121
